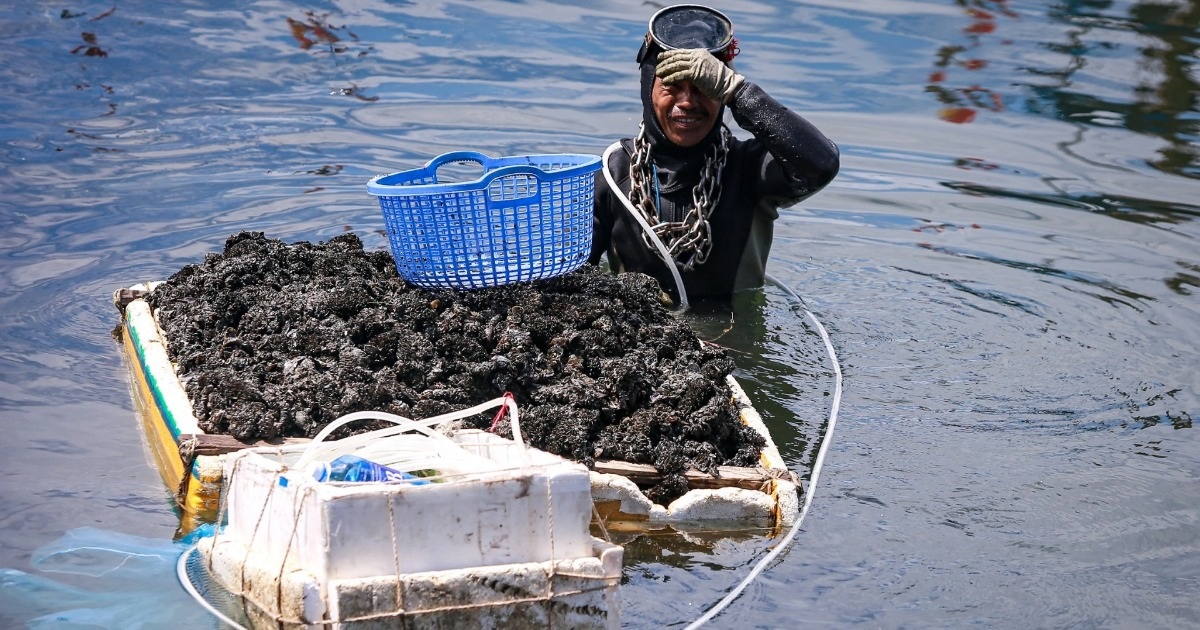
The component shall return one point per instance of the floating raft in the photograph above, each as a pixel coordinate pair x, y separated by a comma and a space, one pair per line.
192, 463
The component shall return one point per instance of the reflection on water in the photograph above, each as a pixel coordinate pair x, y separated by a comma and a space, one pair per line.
1142, 210
1013, 296
951, 80
1162, 100
682, 564
1085, 78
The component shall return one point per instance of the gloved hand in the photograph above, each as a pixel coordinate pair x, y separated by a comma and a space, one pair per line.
715, 79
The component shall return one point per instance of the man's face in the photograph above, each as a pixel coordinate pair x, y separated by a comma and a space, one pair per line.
685, 114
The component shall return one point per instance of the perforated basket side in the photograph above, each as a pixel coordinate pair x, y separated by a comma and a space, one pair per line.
517, 223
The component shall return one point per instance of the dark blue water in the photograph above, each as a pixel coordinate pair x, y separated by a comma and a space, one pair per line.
1008, 265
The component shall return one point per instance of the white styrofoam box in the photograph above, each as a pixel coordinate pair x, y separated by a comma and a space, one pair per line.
509, 511
569, 593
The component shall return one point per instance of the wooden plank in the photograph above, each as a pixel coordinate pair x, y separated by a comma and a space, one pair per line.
122, 297
610, 512
643, 475
729, 476
205, 444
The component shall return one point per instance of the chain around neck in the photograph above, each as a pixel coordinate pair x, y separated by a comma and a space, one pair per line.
688, 241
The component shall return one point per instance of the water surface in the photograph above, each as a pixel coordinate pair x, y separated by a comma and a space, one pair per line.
1008, 266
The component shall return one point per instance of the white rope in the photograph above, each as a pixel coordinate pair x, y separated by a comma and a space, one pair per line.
362, 443
812, 481
658, 244
833, 410
186, 581
372, 443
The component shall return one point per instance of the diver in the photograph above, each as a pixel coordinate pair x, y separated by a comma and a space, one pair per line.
709, 198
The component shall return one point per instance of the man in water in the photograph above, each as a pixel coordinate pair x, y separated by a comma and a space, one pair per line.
710, 199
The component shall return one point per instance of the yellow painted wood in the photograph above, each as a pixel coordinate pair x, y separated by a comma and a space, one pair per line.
201, 502
158, 436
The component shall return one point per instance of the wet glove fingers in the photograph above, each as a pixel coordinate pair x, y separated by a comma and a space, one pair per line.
712, 77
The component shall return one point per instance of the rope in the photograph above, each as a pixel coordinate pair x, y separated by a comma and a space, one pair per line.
318, 448
833, 410
395, 547
816, 471
600, 522
186, 581
361, 443
298, 504
187, 456
258, 522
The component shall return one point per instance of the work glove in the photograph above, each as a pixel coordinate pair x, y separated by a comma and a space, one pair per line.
712, 77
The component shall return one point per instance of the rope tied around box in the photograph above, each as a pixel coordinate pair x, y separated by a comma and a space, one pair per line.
187, 455
543, 580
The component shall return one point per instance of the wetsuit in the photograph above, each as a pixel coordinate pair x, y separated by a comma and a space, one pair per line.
787, 161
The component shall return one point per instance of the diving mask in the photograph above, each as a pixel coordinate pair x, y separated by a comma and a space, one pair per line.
690, 26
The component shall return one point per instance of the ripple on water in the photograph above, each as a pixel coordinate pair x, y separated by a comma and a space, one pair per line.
1008, 281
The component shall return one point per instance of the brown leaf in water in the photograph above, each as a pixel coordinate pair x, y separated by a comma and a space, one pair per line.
957, 115
105, 14
312, 32
89, 46
300, 33
322, 34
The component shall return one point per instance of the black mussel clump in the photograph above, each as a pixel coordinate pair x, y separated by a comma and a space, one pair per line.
275, 340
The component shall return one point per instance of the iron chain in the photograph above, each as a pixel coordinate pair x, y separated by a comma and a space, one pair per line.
688, 241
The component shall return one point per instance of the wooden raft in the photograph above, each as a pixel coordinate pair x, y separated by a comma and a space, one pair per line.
192, 445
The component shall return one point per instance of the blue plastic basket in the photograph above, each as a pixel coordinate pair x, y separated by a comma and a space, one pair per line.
526, 218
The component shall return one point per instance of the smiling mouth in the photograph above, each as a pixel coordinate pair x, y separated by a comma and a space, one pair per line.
688, 121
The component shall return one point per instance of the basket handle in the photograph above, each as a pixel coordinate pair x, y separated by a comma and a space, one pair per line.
458, 156
508, 171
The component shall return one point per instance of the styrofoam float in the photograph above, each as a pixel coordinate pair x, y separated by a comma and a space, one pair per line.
500, 538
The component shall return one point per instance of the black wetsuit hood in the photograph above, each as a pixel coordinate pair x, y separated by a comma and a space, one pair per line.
677, 166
